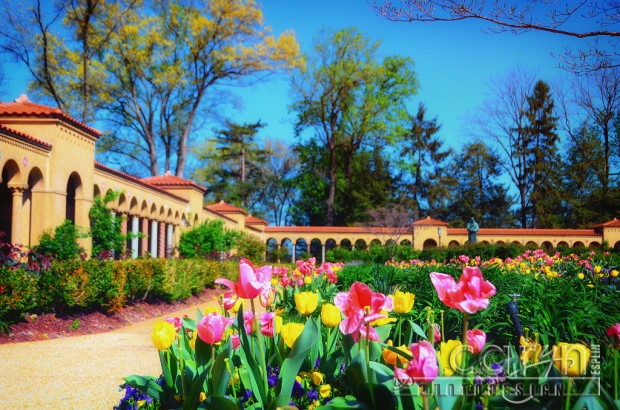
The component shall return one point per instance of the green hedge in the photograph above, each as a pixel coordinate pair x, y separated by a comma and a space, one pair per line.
75, 285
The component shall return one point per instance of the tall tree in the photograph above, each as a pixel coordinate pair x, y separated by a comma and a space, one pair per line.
478, 192
543, 158
346, 98
60, 44
599, 96
502, 119
235, 164
277, 189
520, 16
424, 162
166, 64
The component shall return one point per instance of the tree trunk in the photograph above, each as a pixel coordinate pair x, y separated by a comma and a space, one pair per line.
332, 187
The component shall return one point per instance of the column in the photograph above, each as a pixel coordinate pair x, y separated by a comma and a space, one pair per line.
154, 239
16, 217
322, 253
135, 227
161, 243
144, 241
124, 230
294, 246
169, 240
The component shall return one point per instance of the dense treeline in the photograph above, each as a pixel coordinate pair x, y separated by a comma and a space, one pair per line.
536, 154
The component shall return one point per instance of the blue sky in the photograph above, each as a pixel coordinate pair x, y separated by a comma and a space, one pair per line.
453, 61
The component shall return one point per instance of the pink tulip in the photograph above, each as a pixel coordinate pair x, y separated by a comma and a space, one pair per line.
476, 339
361, 306
211, 328
229, 299
470, 294
422, 368
251, 281
267, 324
436, 333
248, 321
614, 331
236, 342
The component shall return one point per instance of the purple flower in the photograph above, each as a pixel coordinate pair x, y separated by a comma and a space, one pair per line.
298, 390
246, 396
272, 380
317, 363
313, 395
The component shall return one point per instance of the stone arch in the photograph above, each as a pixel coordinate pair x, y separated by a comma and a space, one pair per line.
133, 206
346, 244
454, 244
316, 248
405, 242
287, 244
33, 206
484, 243
375, 242
301, 248
578, 244
330, 244
360, 245
176, 217
429, 243
9, 177
195, 223
96, 191
122, 203
531, 244
74, 191
546, 245
594, 245
272, 245
144, 209
617, 245
169, 216
389, 242
516, 243
162, 212
562, 244
500, 243
153, 211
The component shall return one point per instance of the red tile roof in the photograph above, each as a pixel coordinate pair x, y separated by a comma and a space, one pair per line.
525, 232
614, 223
25, 137
430, 222
22, 107
138, 181
252, 220
169, 180
224, 208
330, 229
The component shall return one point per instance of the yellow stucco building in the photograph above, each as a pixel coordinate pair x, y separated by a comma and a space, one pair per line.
49, 174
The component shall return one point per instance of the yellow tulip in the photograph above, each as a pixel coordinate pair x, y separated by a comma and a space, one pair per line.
307, 280
614, 273
290, 333
192, 342
317, 378
403, 301
384, 320
163, 335
597, 269
278, 324
306, 302
450, 356
237, 305
580, 275
325, 390
571, 359
391, 357
531, 350
330, 315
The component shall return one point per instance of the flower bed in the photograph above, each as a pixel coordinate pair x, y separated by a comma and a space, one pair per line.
318, 345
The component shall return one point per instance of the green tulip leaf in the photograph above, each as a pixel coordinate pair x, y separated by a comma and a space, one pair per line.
217, 402
345, 403
219, 373
291, 365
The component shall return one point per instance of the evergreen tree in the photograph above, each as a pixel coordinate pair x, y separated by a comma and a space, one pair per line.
543, 159
478, 193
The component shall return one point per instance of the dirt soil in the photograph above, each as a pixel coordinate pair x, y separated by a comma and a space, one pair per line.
51, 326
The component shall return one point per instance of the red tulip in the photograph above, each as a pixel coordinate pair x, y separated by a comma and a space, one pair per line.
470, 294
248, 321
212, 327
476, 339
236, 342
614, 331
251, 281
361, 306
422, 368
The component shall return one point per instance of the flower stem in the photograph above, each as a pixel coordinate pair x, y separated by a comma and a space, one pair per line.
442, 326
370, 390
464, 340
182, 368
616, 370
424, 398
568, 393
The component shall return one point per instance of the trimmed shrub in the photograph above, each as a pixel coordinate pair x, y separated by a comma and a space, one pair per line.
61, 245
206, 240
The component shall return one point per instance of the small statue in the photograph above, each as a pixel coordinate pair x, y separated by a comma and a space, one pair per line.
472, 229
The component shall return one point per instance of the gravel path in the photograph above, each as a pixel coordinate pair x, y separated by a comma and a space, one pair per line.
81, 372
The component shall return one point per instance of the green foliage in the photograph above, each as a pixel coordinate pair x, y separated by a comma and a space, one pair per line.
105, 227
250, 247
62, 244
206, 240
